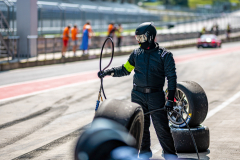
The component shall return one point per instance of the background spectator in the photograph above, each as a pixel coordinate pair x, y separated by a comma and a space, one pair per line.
74, 32
119, 36
90, 32
203, 31
65, 39
111, 30
85, 40
216, 29
228, 31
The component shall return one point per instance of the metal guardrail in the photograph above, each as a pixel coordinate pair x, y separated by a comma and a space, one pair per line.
52, 44
49, 47
55, 58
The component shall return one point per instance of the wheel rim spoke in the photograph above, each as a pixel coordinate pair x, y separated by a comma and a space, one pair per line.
186, 108
179, 95
182, 98
177, 118
171, 113
182, 107
184, 114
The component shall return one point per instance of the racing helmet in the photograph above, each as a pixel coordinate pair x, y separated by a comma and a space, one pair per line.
145, 33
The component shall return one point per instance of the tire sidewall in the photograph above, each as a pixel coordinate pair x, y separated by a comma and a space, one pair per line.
183, 141
198, 103
128, 114
136, 128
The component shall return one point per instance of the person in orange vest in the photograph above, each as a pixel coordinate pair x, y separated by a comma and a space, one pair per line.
65, 39
111, 32
74, 32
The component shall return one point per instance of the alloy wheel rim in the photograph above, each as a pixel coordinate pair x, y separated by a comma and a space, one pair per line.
181, 105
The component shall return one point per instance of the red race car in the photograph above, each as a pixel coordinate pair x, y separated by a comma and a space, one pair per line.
209, 41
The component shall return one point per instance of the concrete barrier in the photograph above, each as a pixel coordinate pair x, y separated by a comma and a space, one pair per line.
15, 65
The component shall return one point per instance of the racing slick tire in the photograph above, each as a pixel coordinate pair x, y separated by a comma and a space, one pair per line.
191, 102
183, 141
129, 114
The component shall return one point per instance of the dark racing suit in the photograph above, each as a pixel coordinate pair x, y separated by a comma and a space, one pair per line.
151, 67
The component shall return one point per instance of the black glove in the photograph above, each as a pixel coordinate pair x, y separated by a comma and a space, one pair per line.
106, 72
169, 105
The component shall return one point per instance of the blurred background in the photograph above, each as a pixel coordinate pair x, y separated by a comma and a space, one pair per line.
54, 15
42, 32
46, 102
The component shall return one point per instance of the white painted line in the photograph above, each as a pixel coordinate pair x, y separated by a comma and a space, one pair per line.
157, 146
223, 105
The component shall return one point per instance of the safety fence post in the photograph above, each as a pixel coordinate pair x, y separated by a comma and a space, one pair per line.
18, 54
45, 48
46, 38
30, 38
37, 50
27, 47
53, 39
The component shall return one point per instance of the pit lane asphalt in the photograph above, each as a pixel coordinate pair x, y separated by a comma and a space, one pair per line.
35, 73
50, 122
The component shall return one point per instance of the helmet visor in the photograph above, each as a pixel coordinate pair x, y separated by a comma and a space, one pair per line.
141, 38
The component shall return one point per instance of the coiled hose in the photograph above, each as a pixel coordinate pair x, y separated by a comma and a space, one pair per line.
100, 67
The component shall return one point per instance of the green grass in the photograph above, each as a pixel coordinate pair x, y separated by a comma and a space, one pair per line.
152, 3
194, 3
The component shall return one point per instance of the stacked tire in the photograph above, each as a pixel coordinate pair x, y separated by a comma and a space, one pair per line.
191, 102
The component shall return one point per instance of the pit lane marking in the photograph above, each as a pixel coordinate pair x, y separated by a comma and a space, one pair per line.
49, 78
47, 90
223, 105
28, 88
